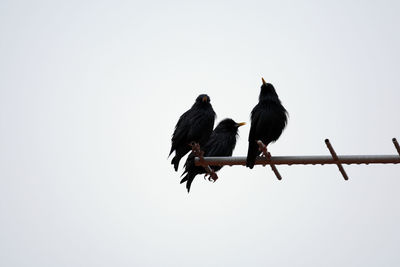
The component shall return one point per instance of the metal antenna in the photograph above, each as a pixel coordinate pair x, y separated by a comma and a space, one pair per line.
267, 159
336, 159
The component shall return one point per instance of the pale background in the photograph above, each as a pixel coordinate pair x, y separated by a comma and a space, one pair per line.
90, 93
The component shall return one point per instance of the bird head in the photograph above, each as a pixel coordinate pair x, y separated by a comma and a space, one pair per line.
203, 98
267, 90
228, 125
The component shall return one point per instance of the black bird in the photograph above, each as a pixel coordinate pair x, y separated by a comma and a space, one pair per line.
195, 125
268, 119
222, 142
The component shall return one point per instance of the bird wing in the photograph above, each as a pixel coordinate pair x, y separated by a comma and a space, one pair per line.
267, 123
181, 127
201, 126
255, 115
181, 131
218, 146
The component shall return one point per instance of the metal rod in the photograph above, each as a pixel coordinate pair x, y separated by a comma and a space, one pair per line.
302, 160
267, 155
396, 145
335, 157
273, 167
299, 160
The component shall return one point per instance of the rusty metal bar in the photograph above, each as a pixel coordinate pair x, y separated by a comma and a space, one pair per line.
396, 144
206, 162
335, 157
302, 160
267, 155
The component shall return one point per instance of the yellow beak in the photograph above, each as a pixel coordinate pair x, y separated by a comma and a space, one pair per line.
205, 99
263, 80
241, 124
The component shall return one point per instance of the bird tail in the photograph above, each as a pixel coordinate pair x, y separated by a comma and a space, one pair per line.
175, 161
179, 153
252, 154
188, 179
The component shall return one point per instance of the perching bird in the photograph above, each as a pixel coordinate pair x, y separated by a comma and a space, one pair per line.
222, 142
195, 125
268, 119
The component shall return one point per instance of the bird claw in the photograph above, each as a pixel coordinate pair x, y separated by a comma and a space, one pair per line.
212, 176
200, 153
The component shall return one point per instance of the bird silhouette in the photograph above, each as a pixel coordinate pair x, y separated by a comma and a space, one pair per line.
268, 119
222, 142
195, 125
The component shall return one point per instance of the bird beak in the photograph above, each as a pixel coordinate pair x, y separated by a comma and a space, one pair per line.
263, 80
241, 124
205, 99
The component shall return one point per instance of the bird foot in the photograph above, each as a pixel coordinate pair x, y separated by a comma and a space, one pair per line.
212, 176
200, 153
196, 149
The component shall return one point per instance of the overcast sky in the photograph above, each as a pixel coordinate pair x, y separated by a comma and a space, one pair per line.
90, 92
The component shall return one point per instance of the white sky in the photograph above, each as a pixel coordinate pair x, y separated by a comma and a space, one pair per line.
90, 93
